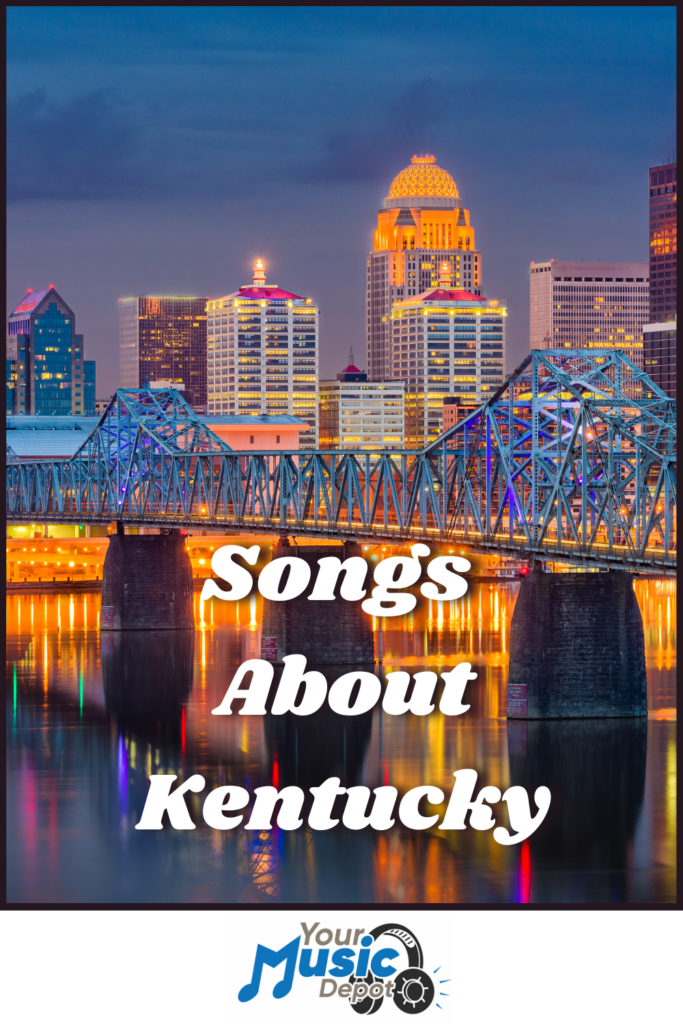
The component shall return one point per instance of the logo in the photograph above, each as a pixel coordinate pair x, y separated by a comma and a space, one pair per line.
365, 969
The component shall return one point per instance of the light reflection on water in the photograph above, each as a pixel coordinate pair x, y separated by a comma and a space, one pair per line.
92, 717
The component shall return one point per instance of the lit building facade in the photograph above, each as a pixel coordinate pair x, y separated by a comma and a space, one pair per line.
47, 374
355, 413
422, 227
663, 243
445, 342
164, 338
581, 304
263, 354
659, 335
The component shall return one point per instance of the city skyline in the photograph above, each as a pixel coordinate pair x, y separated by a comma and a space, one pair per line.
557, 171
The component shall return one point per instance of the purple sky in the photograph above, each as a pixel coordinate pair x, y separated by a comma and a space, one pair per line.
161, 149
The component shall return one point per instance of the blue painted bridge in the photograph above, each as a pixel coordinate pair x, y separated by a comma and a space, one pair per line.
573, 459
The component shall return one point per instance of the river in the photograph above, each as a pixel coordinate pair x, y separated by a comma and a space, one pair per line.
92, 715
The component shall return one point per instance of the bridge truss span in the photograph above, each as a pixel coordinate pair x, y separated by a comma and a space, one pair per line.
572, 459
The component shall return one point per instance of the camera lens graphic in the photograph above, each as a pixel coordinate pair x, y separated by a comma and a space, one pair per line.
414, 990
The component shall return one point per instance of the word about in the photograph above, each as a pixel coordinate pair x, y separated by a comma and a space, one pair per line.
354, 693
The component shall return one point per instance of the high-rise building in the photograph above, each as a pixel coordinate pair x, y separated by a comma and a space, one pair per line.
355, 413
446, 341
660, 355
263, 353
46, 372
662, 243
581, 304
660, 333
422, 227
164, 338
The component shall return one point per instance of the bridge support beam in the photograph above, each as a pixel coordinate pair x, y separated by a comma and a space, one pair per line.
577, 648
147, 583
327, 632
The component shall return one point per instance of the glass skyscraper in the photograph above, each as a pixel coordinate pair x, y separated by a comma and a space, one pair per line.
163, 338
46, 372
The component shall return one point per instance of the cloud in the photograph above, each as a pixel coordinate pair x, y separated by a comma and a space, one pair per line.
88, 147
402, 126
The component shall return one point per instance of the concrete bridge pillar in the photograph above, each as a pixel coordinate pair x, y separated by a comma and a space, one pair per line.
327, 632
577, 648
147, 583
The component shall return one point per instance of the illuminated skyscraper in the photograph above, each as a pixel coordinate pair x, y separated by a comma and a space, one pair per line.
164, 338
46, 372
660, 334
581, 304
663, 243
263, 353
422, 227
445, 342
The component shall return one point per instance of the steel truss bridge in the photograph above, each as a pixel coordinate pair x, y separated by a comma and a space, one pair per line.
573, 459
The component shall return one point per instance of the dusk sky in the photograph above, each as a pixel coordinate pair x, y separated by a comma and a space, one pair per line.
161, 149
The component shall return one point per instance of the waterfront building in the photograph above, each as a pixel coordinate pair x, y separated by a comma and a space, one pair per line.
47, 374
446, 341
423, 234
362, 414
263, 353
583, 304
258, 433
163, 338
659, 335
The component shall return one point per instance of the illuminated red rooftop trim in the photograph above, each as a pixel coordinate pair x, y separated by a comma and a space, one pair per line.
455, 294
251, 292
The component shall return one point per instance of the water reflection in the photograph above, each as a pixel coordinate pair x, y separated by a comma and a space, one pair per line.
147, 679
92, 717
595, 771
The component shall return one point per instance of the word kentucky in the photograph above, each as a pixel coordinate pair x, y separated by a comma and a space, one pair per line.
221, 803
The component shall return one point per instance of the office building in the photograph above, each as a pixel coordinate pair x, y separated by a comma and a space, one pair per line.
47, 374
455, 409
663, 243
659, 335
361, 414
447, 341
163, 338
422, 229
660, 355
581, 304
263, 354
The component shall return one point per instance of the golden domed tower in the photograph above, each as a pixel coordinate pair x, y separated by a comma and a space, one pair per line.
424, 239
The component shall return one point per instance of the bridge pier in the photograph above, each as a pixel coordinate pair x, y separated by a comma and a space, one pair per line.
146, 583
577, 648
328, 632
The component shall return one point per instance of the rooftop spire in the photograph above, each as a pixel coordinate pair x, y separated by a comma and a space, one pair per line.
259, 273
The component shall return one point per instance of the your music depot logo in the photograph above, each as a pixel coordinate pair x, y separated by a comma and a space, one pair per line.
365, 969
